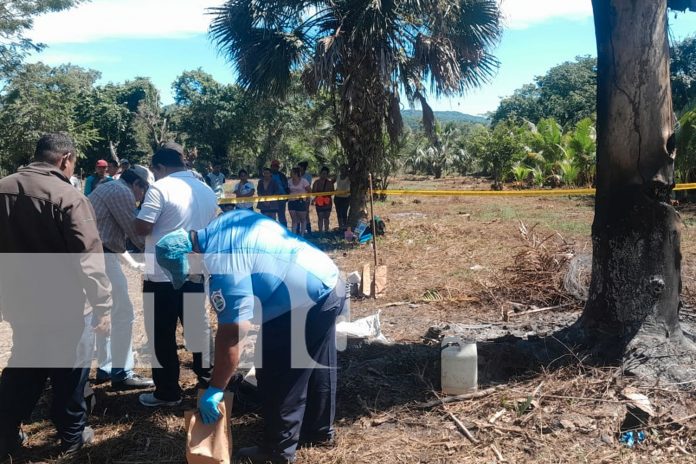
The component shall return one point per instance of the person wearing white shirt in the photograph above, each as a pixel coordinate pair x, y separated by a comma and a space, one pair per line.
244, 188
177, 199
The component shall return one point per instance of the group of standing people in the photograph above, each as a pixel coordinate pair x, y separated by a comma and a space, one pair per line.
273, 182
43, 216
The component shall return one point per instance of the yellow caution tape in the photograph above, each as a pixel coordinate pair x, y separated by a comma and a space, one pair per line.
436, 193
685, 187
472, 193
294, 196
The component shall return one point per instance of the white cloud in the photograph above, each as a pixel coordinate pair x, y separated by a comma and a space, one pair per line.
521, 14
110, 19
55, 59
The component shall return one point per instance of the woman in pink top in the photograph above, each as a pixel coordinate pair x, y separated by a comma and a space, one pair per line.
298, 208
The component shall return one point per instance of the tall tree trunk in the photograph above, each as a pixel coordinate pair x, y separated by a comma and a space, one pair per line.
636, 266
360, 132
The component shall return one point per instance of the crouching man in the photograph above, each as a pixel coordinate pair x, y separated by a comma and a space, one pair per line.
258, 270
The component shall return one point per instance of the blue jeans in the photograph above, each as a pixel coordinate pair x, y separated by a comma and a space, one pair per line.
115, 353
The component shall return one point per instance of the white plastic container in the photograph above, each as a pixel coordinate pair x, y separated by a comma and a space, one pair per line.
459, 366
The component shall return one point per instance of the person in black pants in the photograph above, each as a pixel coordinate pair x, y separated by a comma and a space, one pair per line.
176, 199
52, 260
20, 390
168, 312
342, 200
259, 270
281, 181
298, 404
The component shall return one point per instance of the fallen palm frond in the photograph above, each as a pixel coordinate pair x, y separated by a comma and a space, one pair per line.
537, 277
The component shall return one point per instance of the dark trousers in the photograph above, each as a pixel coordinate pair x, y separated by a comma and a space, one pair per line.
299, 403
21, 388
342, 205
282, 206
168, 312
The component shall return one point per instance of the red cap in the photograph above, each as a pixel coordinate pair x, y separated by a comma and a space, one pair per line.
275, 163
102, 164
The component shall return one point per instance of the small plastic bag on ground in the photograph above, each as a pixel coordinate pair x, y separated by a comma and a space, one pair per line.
367, 328
209, 443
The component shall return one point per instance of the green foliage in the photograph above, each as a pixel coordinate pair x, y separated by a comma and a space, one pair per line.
42, 99
686, 148
566, 93
545, 141
449, 154
387, 165
569, 172
683, 73
522, 105
549, 152
520, 172
363, 53
212, 118
538, 177
581, 147
117, 112
298, 128
16, 18
216, 122
497, 150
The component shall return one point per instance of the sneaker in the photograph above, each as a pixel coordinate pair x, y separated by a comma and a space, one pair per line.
71, 448
151, 401
133, 381
258, 455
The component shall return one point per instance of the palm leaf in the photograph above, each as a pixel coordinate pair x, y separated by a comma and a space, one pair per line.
261, 43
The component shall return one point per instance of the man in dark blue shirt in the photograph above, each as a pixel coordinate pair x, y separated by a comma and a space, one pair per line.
282, 181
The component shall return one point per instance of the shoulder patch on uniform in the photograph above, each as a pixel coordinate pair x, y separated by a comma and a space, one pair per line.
218, 301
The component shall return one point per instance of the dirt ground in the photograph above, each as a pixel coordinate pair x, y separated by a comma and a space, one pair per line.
456, 264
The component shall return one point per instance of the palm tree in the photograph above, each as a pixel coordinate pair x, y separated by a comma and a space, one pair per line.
582, 148
367, 53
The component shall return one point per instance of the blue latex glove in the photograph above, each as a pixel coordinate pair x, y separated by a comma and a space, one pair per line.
208, 405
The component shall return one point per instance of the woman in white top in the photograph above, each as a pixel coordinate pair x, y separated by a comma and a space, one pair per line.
298, 208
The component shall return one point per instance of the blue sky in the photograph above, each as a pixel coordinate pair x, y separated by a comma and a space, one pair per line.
162, 38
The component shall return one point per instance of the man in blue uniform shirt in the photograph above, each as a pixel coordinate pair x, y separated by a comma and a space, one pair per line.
258, 270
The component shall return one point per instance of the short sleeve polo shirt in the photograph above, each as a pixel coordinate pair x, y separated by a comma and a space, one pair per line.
259, 270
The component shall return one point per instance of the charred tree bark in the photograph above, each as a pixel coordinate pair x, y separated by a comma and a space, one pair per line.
636, 266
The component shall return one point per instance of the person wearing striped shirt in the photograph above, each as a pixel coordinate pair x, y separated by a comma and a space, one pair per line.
114, 205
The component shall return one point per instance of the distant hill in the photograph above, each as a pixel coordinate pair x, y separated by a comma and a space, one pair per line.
413, 118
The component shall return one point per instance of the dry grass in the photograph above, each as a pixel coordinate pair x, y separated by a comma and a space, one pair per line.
570, 415
451, 261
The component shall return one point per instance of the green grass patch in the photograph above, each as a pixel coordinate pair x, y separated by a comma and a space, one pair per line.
554, 217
